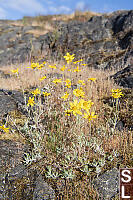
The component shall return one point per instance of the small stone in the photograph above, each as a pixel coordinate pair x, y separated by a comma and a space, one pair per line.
107, 184
42, 190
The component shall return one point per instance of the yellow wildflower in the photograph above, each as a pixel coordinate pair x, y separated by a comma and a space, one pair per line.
36, 92
34, 65
116, 93
40, 66
44, 77
68, 112
63, 68
81, 82
15, 71
92, 79
57, 81
84, 64
69, 58
69, 70
77, 70
3, 127
78, 61
31, 101
46, 94
68, 83
78, 92
90, 116
86, 105
52, 67
75, 107
65, 96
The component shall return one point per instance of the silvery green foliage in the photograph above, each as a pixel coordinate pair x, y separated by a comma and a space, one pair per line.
68, 174
30, 157
34, 137
86, 169
96, 146
51, 173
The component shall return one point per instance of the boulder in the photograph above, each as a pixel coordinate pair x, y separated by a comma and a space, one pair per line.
104, 41
124, 77
107, 184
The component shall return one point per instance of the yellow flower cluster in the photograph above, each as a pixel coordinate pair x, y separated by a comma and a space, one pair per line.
31, 101
77, 107
37, 65
57, 81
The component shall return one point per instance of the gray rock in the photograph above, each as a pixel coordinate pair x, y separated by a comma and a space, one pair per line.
124, 77
42, 190
10, 156
98, 40
18, 181
107, 184
103, 41
11, 100
6, 104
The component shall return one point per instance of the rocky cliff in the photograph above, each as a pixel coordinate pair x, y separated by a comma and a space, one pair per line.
104, 41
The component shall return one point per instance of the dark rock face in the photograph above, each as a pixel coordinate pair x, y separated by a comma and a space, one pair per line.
43, 190
18, 181
104, 41
124, 77
11, 100
16, 44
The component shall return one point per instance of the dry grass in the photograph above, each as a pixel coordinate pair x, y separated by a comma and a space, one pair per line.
42, 31
44, 24
77, 15
30, 78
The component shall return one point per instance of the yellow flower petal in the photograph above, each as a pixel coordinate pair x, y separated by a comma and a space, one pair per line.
15, 71
92, 79
44, 77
